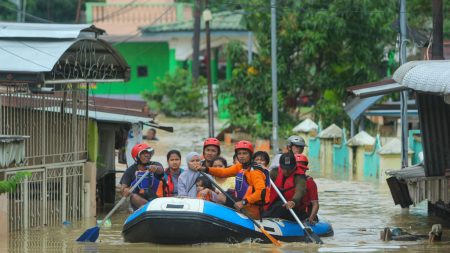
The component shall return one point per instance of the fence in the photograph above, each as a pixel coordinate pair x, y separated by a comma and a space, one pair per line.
49, 197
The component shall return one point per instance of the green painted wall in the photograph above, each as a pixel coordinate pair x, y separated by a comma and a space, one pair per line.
156, 56
92, 141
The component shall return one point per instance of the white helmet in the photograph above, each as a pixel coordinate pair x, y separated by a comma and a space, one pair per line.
296, 140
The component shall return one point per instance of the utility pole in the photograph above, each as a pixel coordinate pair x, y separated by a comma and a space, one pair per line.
273, 36
77, 17
437, 47
18, 4
196, 42
403, 94
207, 16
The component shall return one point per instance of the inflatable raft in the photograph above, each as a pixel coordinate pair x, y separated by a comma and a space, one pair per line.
189, 221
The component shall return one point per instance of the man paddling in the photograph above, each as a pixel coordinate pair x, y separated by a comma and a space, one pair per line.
151, 186
291, 181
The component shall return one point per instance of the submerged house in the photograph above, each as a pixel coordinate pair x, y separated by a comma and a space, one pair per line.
45, 76
429, 83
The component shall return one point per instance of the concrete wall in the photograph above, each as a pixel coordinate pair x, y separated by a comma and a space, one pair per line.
90, 184
3, 223
3, 216
326, 156
390, 162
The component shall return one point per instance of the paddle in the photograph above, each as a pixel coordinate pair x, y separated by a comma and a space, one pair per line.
312, 236
271, 238
91, 234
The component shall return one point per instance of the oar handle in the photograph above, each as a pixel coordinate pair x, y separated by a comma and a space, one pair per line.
123, 198
307, 230
284, 201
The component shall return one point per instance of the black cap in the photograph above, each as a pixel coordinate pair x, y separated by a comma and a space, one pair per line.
287, 161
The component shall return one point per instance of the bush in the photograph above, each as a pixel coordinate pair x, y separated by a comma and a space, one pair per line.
175, 96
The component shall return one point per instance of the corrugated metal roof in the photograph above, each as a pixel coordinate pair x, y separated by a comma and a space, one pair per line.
118, 118
104, 116
357, 106
379, 90
31, 56
221, 21
306, 126
412, 172
12, 138
27, 48
55, 31
425, 76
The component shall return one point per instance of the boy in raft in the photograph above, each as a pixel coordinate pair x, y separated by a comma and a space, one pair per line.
211, 150
151, 186
257, 177
205, 188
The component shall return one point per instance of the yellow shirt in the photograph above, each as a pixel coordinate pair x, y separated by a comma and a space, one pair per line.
225, 183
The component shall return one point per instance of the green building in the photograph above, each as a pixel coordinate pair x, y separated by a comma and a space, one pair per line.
154, 50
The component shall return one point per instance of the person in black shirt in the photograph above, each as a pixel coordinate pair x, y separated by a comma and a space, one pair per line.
149, 187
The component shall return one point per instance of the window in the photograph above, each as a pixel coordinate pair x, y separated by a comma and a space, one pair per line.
142, 71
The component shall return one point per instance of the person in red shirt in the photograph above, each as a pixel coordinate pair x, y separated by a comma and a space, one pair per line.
310, 202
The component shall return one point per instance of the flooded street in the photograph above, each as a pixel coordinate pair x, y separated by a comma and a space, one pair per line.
357, 210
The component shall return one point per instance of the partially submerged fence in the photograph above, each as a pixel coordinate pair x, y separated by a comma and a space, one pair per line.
55, 125
50, 196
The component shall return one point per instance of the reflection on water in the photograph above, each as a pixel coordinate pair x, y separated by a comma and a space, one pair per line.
358, 211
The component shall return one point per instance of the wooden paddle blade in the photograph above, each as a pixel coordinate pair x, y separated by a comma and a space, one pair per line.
89, 235
313, 236
271, 238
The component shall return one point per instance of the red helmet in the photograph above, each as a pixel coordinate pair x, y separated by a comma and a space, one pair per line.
211, 142
138, 148
302, 161
244, 145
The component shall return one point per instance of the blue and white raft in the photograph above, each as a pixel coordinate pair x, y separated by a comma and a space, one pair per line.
174, 220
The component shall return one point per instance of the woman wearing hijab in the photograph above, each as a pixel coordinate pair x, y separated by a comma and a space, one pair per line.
186, 181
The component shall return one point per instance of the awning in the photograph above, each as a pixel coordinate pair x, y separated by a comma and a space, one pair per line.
376, 88
103, 116
425, 76
56, 53
357, 106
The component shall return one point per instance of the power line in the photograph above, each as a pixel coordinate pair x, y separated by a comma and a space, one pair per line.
4, 4
117, 12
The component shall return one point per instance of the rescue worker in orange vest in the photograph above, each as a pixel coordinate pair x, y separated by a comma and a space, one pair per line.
310, 202
258, 191
291, 181
211, 150
150, 187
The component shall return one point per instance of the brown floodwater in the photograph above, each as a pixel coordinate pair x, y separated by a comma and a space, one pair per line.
357, 210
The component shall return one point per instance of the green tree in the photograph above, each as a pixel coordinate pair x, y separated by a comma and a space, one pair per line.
322, 44
56, 11
175, 96
11, 184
